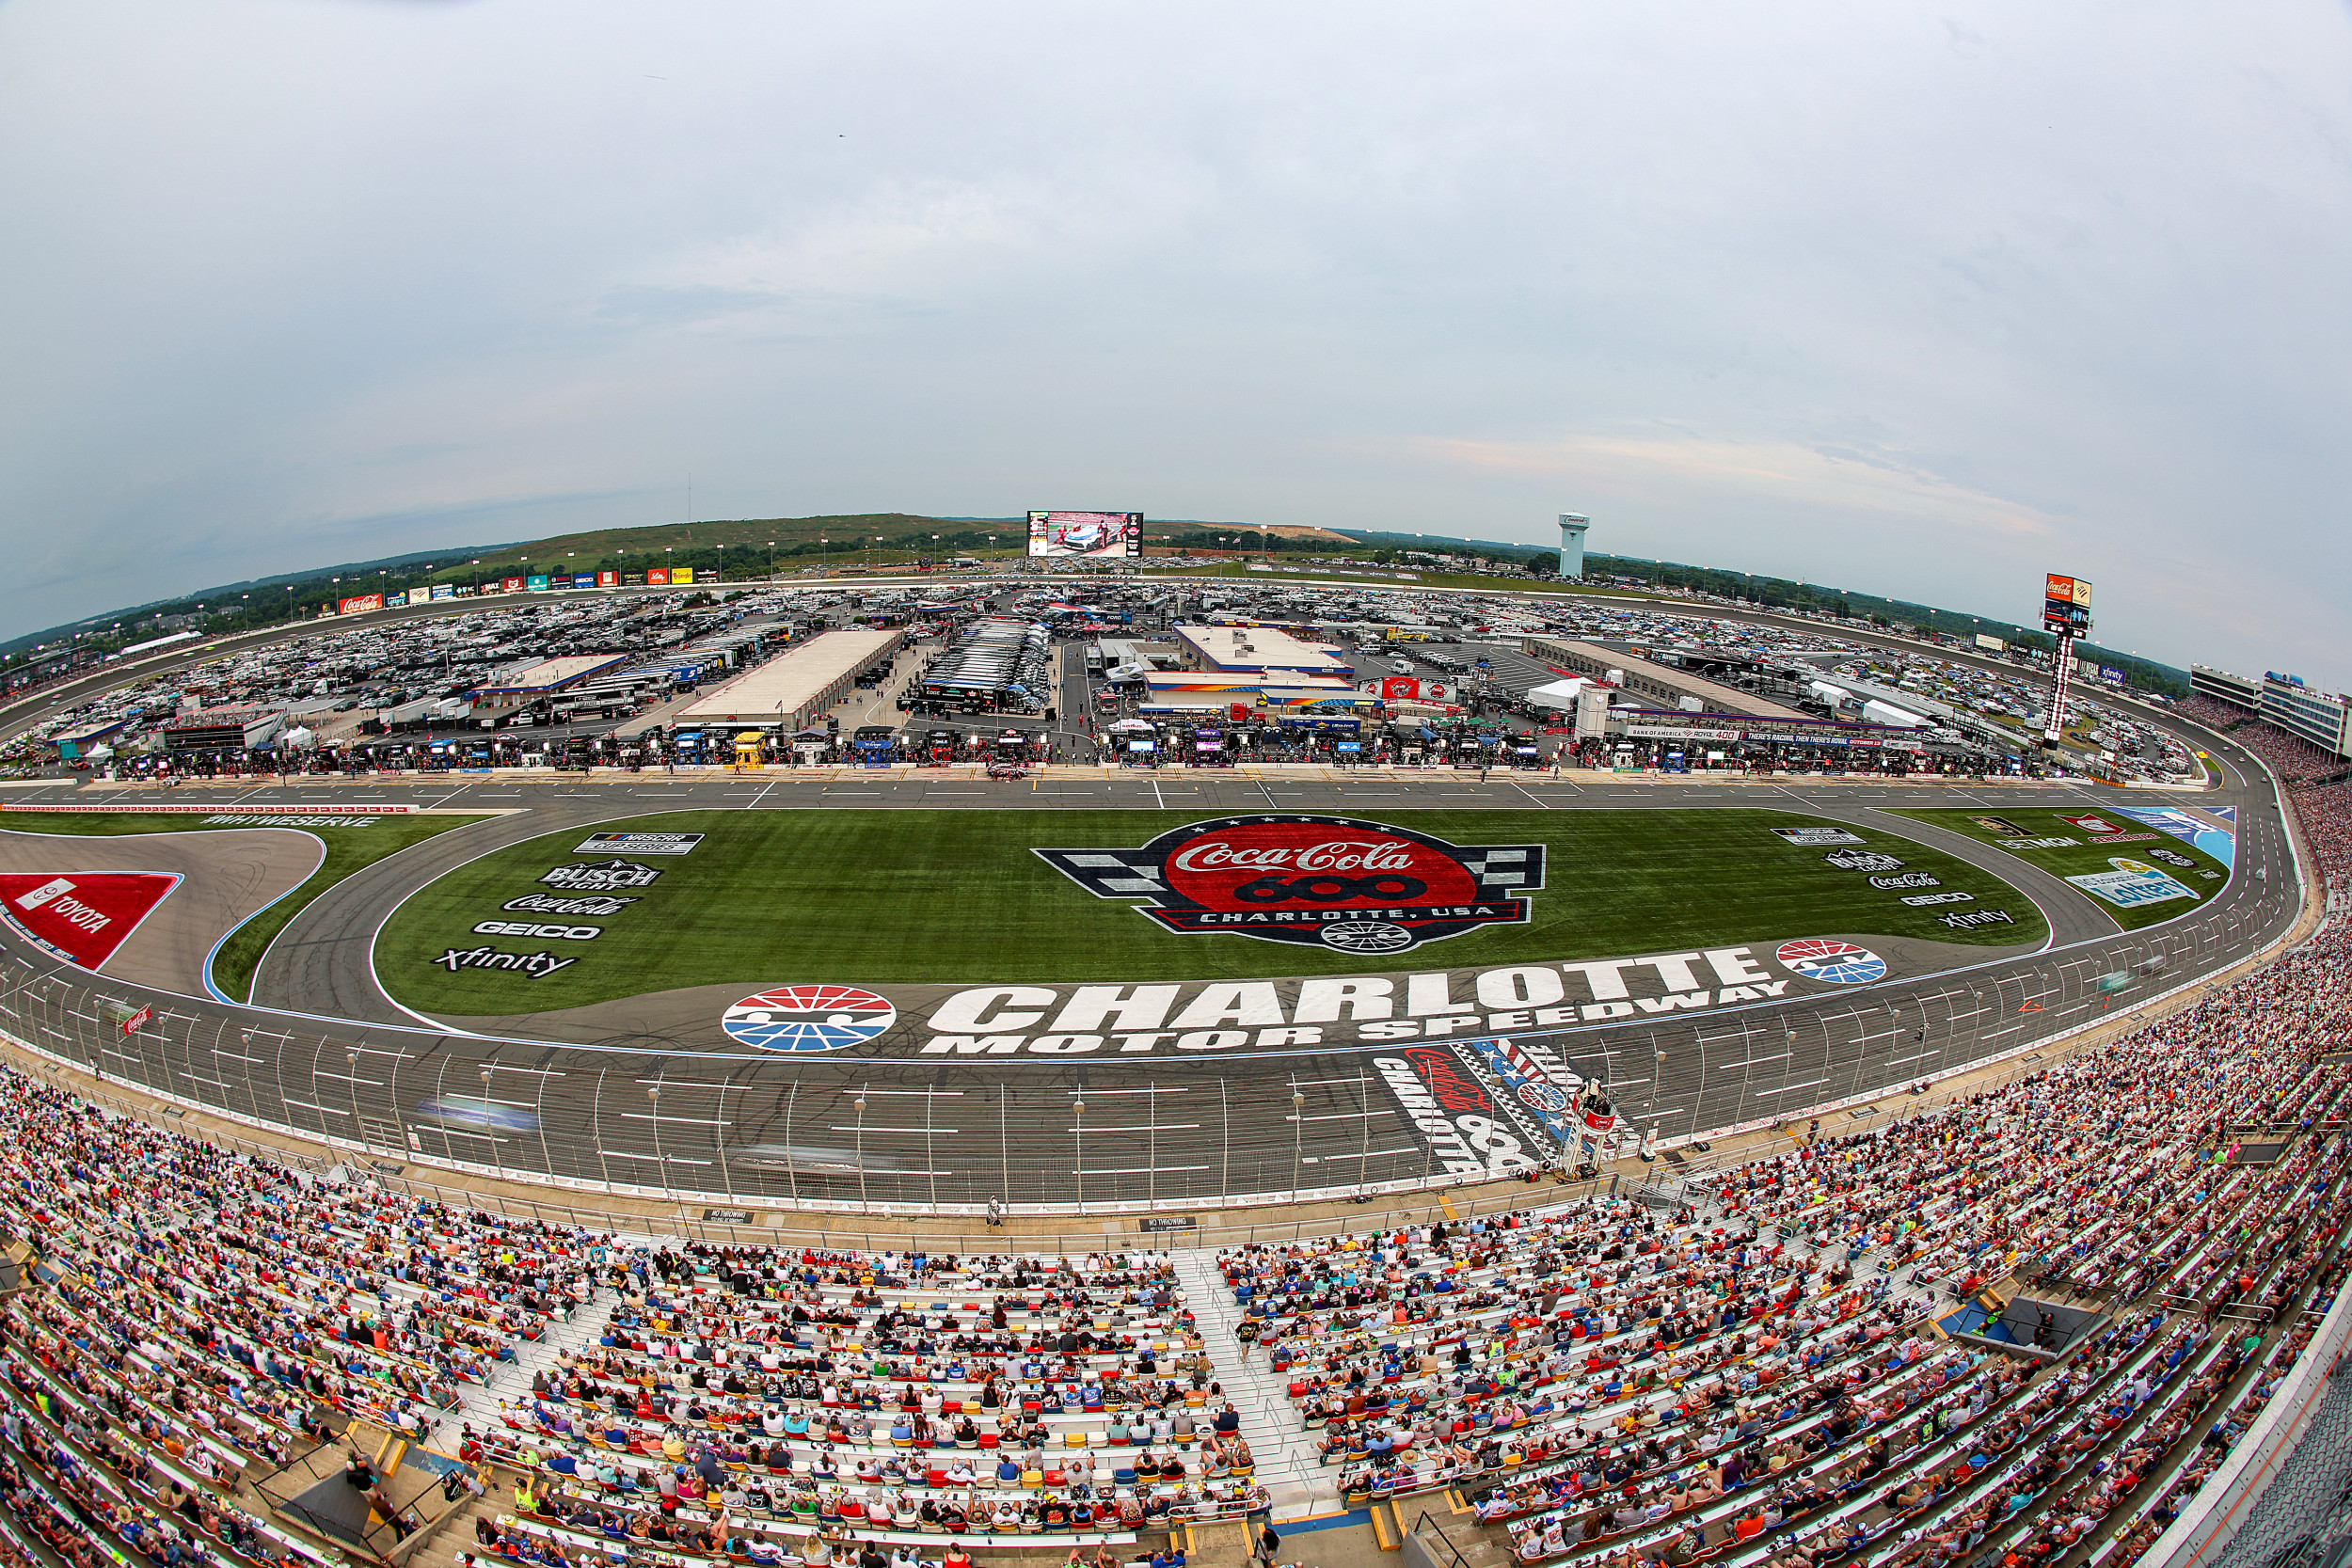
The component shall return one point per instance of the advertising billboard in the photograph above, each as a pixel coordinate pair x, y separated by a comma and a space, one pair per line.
444, 591
536, 582
1095, 534
2065, 605
1991, 644
1411, 688
510, 585
658, 575
681, 574
583, 579
364, 603
608, 579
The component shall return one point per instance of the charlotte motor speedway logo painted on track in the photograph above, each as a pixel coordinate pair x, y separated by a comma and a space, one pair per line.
1215, 1016
83, 916
802, 1019
1837, 963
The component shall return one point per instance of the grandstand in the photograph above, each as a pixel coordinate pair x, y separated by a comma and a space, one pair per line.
1755, 1364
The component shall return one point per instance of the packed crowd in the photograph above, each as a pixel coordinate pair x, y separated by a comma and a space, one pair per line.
2293, 759
760, 1403
1758, 1373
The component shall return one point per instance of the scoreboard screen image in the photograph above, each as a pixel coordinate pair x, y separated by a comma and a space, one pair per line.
1101, 534
2065, 605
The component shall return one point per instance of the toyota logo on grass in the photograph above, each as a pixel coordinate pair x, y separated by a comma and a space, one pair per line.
809, 1018
1839, 963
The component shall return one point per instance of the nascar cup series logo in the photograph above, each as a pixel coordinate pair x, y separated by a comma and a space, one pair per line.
1324, 881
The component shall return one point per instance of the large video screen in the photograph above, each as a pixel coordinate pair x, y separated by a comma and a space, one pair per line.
2065, 605
1087, 533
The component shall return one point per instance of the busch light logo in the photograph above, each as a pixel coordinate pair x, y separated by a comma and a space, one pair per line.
1324, 881
605, 877
1863, 859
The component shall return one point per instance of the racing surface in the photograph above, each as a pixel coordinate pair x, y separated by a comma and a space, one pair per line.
223, 877
649, 1099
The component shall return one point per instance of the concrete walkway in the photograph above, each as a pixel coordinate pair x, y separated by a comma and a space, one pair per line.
1288, 1465
481, 1403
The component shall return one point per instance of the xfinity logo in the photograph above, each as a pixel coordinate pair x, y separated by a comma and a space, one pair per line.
537, 965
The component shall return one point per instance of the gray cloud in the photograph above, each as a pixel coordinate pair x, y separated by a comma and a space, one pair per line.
1876, 298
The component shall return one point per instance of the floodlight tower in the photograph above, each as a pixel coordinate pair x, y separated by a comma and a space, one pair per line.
1572, 527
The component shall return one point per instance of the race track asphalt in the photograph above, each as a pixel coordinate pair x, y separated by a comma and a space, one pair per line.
326, 1054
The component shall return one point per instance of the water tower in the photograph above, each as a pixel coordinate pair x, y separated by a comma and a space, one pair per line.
1572, 529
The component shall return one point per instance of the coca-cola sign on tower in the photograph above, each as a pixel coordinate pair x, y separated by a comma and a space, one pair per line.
1324, 881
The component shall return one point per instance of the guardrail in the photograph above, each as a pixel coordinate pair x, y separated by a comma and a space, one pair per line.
742, 1147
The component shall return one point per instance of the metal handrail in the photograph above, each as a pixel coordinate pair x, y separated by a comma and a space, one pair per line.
1451, 1550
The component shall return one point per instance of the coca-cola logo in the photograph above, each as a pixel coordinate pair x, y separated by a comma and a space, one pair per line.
1334, 883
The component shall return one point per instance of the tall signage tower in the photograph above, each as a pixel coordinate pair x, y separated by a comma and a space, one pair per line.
2065, 615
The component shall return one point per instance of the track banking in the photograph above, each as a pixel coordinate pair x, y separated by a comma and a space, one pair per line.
1263, 1015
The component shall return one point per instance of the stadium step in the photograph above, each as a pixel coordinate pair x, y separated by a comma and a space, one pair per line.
1288, 1465
480, 1402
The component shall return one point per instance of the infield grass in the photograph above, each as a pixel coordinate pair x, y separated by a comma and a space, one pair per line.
348, 848
956, 897
2088, 856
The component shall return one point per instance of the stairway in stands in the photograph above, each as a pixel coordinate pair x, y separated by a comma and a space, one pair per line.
509, 1382
1288, 1465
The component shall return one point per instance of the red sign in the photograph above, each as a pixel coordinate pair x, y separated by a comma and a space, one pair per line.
1329, 881
84, 915
2089, 824
364, 602
657, 574
511, 585
1399, 689
608, 579
142, 1016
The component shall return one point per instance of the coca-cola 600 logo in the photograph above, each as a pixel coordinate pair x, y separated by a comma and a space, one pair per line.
1326, 882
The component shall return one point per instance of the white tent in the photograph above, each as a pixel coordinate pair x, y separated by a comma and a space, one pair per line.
1558, 693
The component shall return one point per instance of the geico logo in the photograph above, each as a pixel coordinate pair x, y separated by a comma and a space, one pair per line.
81, 914
525, 929
1335, 855
1943, 898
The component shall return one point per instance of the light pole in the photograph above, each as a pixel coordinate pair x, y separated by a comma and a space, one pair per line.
860, 1103
1299, 1133
1078, 1131
824, 555
772, 560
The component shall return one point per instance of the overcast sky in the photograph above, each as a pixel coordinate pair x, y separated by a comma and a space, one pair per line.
1919, 301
